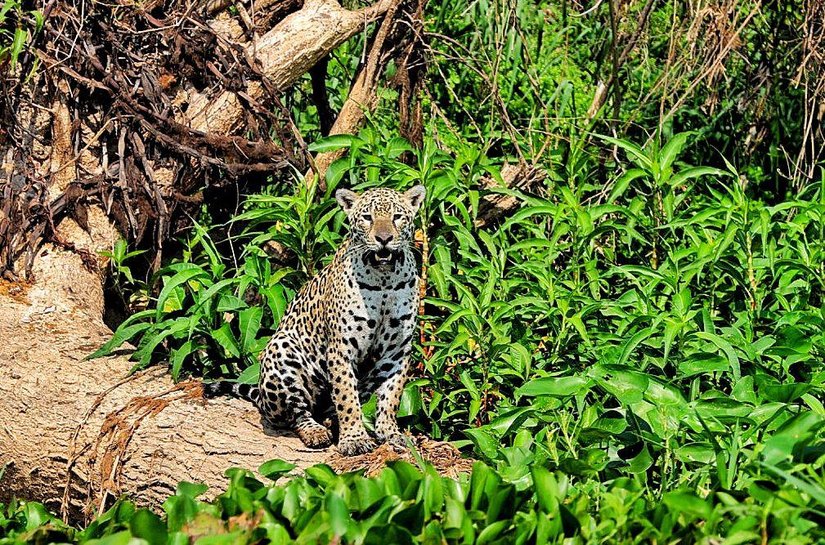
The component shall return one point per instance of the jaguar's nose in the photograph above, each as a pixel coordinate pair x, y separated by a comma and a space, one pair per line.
383, 240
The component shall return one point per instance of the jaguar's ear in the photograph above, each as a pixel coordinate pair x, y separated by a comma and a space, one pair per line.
346, 199
415, 196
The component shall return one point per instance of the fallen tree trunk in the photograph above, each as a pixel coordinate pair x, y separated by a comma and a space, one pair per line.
77, 434
495, 206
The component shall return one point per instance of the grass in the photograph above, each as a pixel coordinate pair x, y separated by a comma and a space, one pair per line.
18, 26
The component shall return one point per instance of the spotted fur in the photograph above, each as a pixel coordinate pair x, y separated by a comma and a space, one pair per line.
349, 330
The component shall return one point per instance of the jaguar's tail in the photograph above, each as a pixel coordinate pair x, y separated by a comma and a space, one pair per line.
224, 387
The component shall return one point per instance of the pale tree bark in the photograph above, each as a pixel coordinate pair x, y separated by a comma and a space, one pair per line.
76, 433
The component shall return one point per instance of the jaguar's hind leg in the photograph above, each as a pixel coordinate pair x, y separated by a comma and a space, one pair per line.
286, 398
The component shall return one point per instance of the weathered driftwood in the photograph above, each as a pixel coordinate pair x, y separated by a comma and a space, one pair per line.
495, 206
77, 434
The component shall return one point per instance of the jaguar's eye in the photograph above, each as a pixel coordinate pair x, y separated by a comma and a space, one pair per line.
366, 217
398, 217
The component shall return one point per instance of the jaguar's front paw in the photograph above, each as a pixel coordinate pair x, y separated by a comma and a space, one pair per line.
314, 435
397, 440
357, 444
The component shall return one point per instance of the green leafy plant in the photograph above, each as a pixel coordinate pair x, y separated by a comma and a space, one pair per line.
635, 351
647, 327
405, 504
199, 314
17, 28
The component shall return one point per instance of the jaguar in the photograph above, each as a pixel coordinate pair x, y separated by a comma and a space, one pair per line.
348, 333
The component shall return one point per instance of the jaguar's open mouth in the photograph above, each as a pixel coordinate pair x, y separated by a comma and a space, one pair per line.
384, 256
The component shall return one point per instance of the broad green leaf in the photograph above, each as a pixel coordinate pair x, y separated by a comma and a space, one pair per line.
634, 152
229, 303
672, 149
633, 342
794, 434
701, 453
190, 490
623, 182
226, 339
178, 279
397, 146
727, 350
547, 489
431, 492
121, 335
333, 142
249, 322
159, 333
119, 538
17, 44
695, 172
336, 171
703, 362
627, 385
555, 386
274, 469
250, 374
486, 443
641, 462
491, 532
179, 355
147, 525
688, 503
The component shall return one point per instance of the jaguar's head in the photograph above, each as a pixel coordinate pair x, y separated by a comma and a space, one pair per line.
381, 219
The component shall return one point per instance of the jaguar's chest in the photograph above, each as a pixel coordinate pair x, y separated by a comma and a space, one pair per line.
387, 301
375, 306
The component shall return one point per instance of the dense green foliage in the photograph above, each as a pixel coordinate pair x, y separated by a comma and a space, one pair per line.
406, 505
636, 353
668, 339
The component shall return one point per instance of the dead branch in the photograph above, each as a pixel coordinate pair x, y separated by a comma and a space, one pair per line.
495, 206
315, 30
397, 39
163, 112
